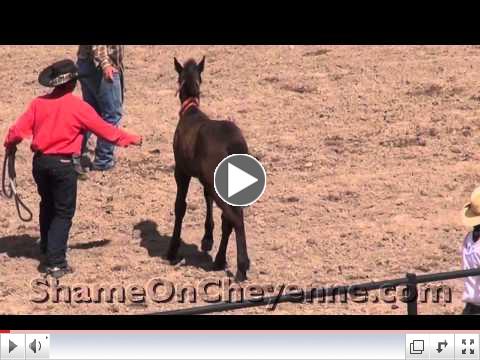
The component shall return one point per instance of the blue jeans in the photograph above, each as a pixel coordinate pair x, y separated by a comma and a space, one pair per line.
106, 97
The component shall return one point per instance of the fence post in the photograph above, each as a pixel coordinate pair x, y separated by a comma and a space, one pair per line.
412, 294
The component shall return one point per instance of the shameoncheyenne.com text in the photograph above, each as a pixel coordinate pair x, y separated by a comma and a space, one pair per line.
212, 291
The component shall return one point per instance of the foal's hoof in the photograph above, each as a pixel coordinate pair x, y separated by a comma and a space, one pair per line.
219, 265
173, 257
172, 262
207, 244
241, 276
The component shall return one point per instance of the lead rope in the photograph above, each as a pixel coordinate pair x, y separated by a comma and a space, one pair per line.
10, 189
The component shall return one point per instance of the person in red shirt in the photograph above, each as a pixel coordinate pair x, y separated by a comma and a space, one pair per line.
57, 122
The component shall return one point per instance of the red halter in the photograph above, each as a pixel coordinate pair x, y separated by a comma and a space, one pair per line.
187, 104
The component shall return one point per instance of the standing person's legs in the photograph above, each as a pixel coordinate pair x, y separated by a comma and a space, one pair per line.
111, 104
40, 175
90, 78
64, 188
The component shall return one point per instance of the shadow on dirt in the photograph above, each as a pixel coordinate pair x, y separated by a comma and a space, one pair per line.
26, 246
90, 244
20, 246
157, 246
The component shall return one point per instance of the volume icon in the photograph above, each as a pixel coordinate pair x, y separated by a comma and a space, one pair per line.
35, 346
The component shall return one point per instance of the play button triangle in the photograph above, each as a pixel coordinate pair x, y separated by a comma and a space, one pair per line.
11, 346
238, 180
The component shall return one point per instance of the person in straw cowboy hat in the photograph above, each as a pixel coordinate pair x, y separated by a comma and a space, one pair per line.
57, 122
471, 253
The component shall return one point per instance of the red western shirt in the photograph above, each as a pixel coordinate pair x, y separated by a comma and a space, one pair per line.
57, 122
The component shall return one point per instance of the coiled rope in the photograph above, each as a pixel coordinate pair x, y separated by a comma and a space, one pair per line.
9, 182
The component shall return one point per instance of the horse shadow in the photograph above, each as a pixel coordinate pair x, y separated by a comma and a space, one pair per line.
157, 246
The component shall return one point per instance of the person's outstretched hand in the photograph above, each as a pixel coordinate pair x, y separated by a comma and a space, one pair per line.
137, 140
108, 72
130, 139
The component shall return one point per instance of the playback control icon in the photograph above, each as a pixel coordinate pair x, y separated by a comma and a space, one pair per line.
14, 346
35, 346
441, 346
466, 346
417, 347
240, 180
471, 350
11, 346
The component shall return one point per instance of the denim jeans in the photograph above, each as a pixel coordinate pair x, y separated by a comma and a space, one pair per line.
471, 309
106, 97
57, 186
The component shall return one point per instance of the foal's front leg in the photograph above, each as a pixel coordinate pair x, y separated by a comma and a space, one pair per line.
183, 181
243, 262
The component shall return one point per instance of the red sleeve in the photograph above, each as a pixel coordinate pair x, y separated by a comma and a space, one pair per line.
22, 127
94, 123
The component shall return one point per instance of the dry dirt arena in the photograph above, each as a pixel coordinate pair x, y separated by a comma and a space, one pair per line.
370, 153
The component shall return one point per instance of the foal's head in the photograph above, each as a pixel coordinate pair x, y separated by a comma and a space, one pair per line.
189, 78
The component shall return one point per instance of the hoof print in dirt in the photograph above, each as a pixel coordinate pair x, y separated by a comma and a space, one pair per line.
318, 52
290, 199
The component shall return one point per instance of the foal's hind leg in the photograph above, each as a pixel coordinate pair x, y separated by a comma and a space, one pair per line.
235, 216
207, 241
221, 258
183, 181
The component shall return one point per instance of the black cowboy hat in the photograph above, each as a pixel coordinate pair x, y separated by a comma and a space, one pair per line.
58, 73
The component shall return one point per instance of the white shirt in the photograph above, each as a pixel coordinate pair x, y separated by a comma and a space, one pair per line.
471, 260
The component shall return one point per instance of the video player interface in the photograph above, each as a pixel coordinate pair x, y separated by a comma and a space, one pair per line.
238, 345
170, 178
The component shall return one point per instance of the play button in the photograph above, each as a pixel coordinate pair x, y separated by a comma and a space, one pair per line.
11, 346
240, 180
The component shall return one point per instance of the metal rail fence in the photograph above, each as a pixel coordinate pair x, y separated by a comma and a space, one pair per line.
411, 282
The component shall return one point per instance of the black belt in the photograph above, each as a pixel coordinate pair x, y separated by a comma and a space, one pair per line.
55, 156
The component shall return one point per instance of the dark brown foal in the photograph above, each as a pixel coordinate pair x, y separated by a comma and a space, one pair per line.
199, 145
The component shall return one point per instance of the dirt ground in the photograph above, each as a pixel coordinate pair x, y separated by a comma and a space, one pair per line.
370, 153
